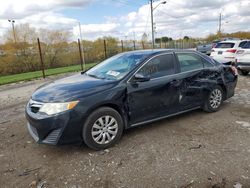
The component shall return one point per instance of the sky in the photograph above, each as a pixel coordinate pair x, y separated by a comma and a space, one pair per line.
128, 19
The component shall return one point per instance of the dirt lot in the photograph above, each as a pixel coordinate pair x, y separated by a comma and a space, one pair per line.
196, 149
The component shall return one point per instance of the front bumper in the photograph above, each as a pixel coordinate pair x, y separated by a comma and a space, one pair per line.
52, 138
243, 66
63, 128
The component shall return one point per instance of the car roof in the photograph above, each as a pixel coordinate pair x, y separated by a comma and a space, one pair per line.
234, 41
157, 51
229, 41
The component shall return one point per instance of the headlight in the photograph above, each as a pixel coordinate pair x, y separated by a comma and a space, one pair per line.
54, 108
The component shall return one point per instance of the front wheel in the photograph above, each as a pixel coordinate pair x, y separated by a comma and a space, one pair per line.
103, 128
214, 100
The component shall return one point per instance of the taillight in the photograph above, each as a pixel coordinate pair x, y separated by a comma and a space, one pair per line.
231, 50
240, 52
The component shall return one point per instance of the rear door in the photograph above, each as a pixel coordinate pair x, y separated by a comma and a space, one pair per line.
157, 97
195, 73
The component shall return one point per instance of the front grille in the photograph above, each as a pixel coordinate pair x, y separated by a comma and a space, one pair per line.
52, 137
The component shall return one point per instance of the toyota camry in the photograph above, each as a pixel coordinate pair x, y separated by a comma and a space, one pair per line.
124, 91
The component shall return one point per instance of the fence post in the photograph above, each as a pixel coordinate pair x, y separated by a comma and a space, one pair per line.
122, 44
165, 44
105, 49
80, 52
134, 44
41, 57
142, 45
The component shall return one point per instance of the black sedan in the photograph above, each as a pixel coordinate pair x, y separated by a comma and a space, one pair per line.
124, 91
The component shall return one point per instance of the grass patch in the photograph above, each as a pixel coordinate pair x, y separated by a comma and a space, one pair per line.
38, 74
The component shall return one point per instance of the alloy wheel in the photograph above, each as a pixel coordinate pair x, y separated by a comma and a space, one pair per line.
215, 98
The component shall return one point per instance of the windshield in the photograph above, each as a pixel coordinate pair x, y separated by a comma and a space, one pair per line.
116, 67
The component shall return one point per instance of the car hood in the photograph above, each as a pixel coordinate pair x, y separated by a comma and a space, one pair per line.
71, 88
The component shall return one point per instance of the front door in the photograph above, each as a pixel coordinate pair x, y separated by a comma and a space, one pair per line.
157, 97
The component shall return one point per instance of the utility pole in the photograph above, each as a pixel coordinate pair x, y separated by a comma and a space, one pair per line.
13, 28
83, 59
152, 20
219, 31
152, 24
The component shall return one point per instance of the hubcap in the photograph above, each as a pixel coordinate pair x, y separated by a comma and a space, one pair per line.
215, 98
104, 130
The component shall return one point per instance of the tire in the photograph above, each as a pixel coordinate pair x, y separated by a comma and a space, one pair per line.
103, 128
214, 99
243, 72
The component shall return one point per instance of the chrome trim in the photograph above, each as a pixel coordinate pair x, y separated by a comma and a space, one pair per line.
163, 117
33, 103
32, 132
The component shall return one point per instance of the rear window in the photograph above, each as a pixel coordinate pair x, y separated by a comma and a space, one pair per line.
247, 45
225, 45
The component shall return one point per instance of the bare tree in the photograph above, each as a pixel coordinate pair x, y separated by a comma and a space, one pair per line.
54, 43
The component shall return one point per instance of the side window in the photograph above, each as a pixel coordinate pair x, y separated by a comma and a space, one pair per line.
247, 45
242, 44
159, 66
189, 62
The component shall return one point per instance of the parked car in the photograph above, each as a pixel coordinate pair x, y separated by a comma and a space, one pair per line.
124, 91
243, 59
204, 48
225, 51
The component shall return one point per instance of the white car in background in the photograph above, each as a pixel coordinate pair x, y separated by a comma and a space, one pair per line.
242, 59
225, 51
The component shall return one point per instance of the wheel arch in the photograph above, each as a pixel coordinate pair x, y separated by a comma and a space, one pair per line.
119, 108
224, 91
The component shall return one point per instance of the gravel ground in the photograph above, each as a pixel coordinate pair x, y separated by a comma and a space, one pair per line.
196, 149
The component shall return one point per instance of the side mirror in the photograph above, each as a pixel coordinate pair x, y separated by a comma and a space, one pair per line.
141, 78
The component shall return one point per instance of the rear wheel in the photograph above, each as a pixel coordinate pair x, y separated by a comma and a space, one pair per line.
243, 72
214, 100
103, 128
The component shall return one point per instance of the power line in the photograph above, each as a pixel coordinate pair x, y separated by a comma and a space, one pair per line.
125, 3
